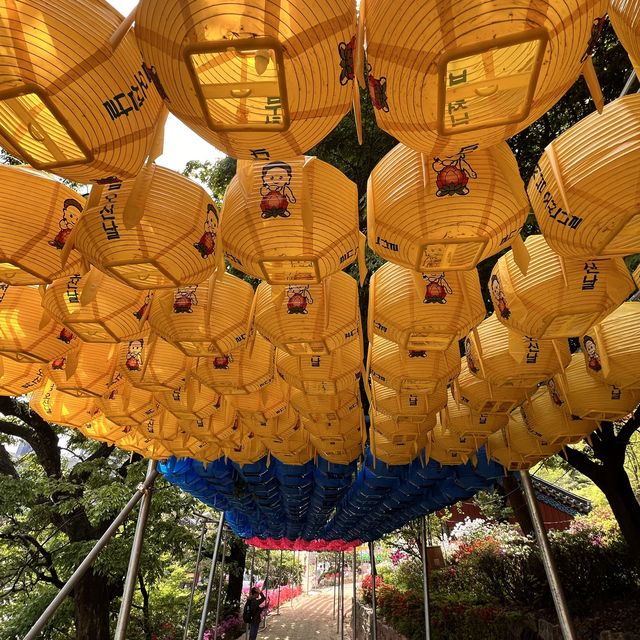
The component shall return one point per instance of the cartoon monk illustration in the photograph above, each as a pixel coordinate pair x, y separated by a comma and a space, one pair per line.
453, 173
498, 295
468, 351
143, 309
437, 288
592, 351
553, 392
275, 190
134, 355
207, 243
65, 335
299, 299
71, 209
58, 364
184, 298
222, 362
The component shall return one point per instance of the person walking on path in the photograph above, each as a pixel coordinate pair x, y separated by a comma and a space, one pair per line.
254, 602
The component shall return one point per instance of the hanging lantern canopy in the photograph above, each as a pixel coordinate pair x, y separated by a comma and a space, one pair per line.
625, 18
322, 374
293, 222
484, 397
18, 378
27, 334
162, 426
464, 421
103, 430
281, 426
31, 253
398, 449
86, 371
346, 426
150, 363
408, 371
327, 408
149, 448
125, 404
205, 451
71, 102
131, 232
412, 223
394, 427
248, 450
568, 192
221, 426
308, 319
581, 395
479, 71
611, 348
298, 455
558, 297
94, 307
424, 311
265, 403
550, 422
242, 371
204, 320
505, 358
61, 408
253, 79
190, 401
339, 447
411, 403
447, 447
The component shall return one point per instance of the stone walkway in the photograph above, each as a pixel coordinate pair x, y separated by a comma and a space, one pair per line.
308, 617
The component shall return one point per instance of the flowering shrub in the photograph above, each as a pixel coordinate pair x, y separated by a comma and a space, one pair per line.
366, 587
229, 629
397, 557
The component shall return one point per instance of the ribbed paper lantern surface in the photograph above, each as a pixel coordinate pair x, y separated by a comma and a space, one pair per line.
447, 447
322, 374
450, 212
95, 307
31, 253
244, 370
190, 401
410, 403
221, 426
568, 191
104, 430
558, 297
611, 348
424, 310
398, 449
18, 378
464, 421
506, 358
293, 222
479, 72
266, 403
580, 394
254, 78
327, 408
393, 427
248, 450
407, 370
127, 405
483, 397
69, 102
307, 319
625, 18
159, 230
26, 333
204, 320
61, 408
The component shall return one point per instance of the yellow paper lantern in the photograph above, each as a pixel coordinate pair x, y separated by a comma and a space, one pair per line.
130, 230
346, 426
205, 451
18, 378
322, 374
398, 449
558, 297
61, 408
395, 427
424, 310
580, 394
412, 223
87, 370
253, 79
411, 403
151, 363
247, 369
102, 429
611, 348
446, 447
281, 426
345, 455
31, 253
568, 187
162, 426
293, 222
220, 427
500, 450
248, 450
27, 333
270, 401
299, 455
127, 405
625, 18
483, 397
190, 401
204, 320
95, 307
308, 319
505, 358
478, 72
327, 408
337, 447
550, 422
70, 101
147, 447
464, 421
412, 371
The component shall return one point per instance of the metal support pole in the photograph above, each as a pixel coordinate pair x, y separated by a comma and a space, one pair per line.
564, 617
342, 596
354, 615
265, 587
308, 569
374, 619
134, 558
279, 583
194, 581
212, 573
425, 580
335, 576
253, 561
220, 583
41, 622
338, 594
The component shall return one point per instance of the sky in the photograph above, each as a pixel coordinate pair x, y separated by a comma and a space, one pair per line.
180, 143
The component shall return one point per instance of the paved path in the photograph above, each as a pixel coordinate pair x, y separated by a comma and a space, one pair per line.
310, 617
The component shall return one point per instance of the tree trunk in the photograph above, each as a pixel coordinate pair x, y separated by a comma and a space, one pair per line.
92, 596
237, 562
516, 501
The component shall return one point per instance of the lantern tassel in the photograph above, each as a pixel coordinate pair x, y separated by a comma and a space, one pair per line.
591, 78
362, 262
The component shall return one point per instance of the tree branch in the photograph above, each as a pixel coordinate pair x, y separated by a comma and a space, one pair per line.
629, 428
583, 463
7, 468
